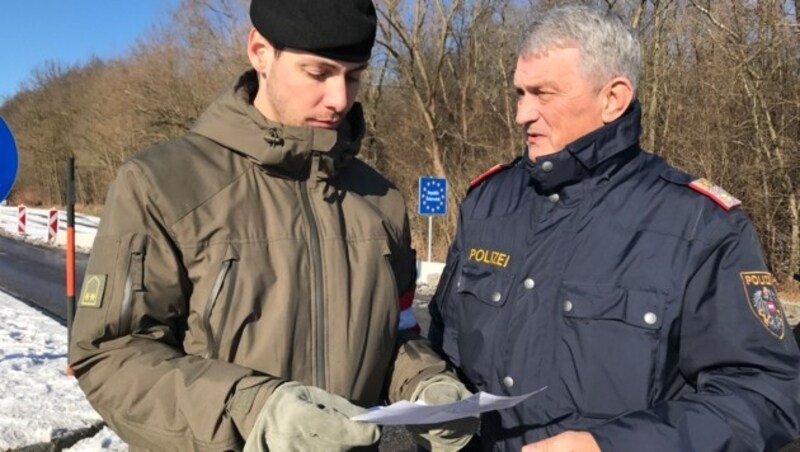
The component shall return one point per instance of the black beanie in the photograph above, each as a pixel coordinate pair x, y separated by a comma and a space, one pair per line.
336, 29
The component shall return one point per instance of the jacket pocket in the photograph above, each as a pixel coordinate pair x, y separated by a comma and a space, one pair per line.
489, 286
134, 280
224, 281
610, 340
484, 294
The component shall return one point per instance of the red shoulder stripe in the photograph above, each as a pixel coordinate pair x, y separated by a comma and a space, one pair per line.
489, 173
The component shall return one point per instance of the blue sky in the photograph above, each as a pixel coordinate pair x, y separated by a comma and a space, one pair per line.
69, 32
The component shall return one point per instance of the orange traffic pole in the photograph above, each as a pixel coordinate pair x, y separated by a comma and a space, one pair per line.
70, 251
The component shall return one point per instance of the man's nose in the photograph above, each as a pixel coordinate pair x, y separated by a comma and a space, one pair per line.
336, 94
527, 111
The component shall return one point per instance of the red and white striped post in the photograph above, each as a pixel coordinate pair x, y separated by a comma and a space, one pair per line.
22, 219
52, 225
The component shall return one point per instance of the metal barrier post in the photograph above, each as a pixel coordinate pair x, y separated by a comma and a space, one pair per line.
70, 250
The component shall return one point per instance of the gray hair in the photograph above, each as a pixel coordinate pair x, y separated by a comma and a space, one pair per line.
608, 47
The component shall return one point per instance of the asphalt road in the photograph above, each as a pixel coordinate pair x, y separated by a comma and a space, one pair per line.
36, 274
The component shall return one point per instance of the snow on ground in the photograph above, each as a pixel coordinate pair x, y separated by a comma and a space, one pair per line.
38, 401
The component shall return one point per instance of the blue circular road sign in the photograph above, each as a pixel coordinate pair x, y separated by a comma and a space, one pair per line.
8, 160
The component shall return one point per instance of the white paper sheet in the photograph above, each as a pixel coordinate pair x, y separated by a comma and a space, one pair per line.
414, 413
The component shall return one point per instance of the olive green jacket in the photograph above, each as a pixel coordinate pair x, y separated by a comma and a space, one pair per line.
239, 256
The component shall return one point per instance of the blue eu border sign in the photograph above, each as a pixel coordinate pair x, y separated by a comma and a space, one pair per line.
8, 160
432, 196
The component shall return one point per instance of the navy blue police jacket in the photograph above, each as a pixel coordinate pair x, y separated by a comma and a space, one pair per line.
643, 306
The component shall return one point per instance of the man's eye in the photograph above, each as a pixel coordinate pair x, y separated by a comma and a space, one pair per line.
320, 76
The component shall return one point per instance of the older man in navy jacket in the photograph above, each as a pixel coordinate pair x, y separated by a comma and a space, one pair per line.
636, 293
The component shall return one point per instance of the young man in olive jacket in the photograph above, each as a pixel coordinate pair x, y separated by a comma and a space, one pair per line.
252, 280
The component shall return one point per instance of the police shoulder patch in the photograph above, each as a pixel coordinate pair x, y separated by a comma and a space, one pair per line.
92, 291
715, 192
759, 289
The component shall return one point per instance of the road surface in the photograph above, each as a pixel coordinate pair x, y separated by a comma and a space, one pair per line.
37, 275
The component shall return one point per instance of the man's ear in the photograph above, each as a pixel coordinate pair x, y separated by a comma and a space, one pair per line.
617, 97
259, 51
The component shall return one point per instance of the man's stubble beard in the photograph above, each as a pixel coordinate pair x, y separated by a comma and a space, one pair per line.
278, 102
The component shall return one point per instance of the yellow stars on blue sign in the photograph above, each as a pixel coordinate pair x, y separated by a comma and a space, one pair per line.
432, 196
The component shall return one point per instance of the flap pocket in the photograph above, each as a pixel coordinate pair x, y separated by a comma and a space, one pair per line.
635, 307
611, 339
134, 277
489, 285
137, 251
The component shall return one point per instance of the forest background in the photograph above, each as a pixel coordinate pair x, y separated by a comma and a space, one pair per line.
720, 94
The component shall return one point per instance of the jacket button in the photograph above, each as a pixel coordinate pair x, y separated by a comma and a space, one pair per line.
508, 382
650, 318
496, 297
554, 197
547, 166
528, 283
567, 306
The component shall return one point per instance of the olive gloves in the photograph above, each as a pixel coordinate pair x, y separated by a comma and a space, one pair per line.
447, 436
303, 418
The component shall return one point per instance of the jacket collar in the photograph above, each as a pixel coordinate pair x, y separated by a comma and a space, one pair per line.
235, 123
596, 154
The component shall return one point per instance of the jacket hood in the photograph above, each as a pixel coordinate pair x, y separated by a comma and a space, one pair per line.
233, 122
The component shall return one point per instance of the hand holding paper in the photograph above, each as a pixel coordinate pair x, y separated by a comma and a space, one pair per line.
408, 413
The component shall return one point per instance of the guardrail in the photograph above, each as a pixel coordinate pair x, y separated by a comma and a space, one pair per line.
37, 220
39, 217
